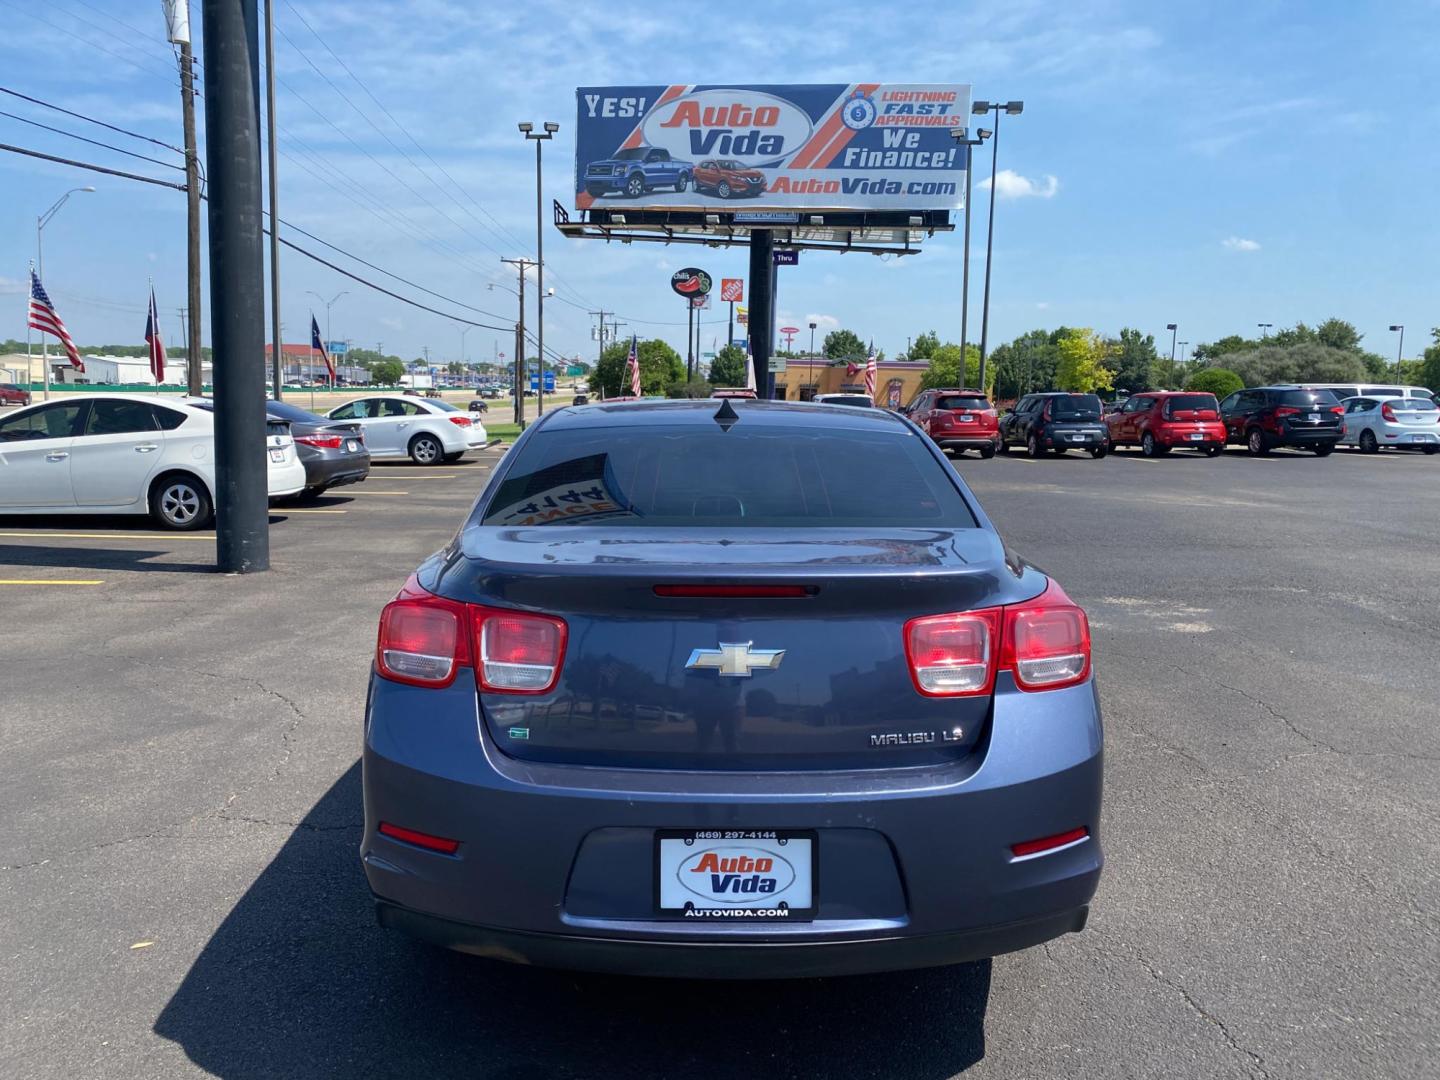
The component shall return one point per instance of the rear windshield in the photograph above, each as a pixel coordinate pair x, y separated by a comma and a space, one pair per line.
847, 399
961, 401
444, 406
687, 476
1306, 397
1413, 405
1075, 407
283, 410
1182, 402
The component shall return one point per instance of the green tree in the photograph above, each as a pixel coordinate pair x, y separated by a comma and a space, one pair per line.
695, 388
728, 367
387, 372
1134, 360
1338, 334
1430, 364
1301, 361
1221, 382
924, 345
660, 366
1206, 353
843, 345
1081, 362
944, 368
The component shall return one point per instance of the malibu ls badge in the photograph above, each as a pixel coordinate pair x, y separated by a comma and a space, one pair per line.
735, 660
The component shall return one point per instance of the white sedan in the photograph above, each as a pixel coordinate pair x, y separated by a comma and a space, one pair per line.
426, 431
1400, 423
119, 454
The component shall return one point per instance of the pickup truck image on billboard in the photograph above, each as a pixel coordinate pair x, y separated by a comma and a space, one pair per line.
865, 146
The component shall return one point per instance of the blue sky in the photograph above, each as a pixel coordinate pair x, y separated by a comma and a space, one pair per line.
1216, 165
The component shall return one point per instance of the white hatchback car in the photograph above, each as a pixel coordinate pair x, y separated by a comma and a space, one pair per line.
426, 431
1401, 423
121, 454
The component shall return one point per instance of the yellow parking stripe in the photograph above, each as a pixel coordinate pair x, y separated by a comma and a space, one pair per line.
48, 581
106, 536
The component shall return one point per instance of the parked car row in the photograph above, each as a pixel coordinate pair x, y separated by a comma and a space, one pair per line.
126, 454
1260, 419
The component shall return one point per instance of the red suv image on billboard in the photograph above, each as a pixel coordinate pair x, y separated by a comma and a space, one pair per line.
728, 179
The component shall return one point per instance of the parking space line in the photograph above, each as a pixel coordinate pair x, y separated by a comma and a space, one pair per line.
49, 581
359, 492
104, 536
430, 476
285, 511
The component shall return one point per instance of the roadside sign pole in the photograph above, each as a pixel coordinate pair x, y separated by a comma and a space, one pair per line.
237, 290
730, 328
762, 313
689, 340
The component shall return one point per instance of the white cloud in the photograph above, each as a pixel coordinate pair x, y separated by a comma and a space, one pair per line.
1011, 185
1042, 305
823, 323
11, 286
1239, 243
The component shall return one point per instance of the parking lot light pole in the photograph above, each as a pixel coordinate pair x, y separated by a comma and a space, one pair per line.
1264, 329
328, 305
1184, 347
1173, 328
980, 108
40, 223
962, 136
1400, 349
539, 138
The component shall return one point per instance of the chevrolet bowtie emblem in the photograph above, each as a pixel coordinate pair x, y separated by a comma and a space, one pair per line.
736, 660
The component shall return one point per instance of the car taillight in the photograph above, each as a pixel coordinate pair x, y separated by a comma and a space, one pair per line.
519, 653
423, 638
1046, 641
321, 442
1286, 410
941, 420
1386, 412
953, 655
460, 421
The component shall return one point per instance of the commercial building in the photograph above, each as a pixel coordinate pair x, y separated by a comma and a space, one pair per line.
896, 381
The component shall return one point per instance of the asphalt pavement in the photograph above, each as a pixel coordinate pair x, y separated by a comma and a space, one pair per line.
180, 893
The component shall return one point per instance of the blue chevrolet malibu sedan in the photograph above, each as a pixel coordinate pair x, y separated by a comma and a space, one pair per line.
731, 689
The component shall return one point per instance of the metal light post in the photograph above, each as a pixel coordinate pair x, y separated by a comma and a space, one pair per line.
1400, 349
1264, 329
1172, 327
328, 305
40, 223
539, 138
962, 136
980, 108
1184, 348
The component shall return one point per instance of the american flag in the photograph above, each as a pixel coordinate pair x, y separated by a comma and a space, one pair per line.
153, 339
632, 367
319, 346
870, 369
44, 319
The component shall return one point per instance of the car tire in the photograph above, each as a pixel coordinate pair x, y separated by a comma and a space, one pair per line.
310, 494
723, 190
1256, 442
450, 459
1430, 450
635, 186
426, 450
987, 452
1002, 447
683, 182
1324, 449
1032, 447
1098, 452
1214, 450
1368, 443
179, 502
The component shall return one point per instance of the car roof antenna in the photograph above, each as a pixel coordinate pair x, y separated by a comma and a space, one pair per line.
726, 416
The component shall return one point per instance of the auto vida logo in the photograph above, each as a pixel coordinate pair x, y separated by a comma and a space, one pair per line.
735, 874
744, 124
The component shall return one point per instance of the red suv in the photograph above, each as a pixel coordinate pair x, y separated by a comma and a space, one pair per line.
1158, 421
728, 179
10, 394
958, 420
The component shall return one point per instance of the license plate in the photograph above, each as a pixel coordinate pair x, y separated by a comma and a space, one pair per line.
966, 419
352, 446
277, 455
1195, 436
1078, 438
1417, 438
739, 875
1315, 417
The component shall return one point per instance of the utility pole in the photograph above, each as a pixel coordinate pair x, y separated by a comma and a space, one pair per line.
601, 315
237, 282
521, 265
177, 24
277, 347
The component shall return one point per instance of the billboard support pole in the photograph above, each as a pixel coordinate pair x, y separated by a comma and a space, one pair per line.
730, 329
689, 340
762, 313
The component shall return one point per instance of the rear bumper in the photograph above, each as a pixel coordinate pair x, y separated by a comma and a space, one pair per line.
556, 863
712, 960
337, 471
1209, 436
1078, 438
967, 441
1304, 437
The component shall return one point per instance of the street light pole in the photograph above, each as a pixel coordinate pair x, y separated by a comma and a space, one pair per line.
328, 305
1264, 329
1184, 348
1173, 328
40, 223
539, 138
1400, 349
962, 136
980, 108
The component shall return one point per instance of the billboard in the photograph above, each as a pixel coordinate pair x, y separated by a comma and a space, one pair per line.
862, 146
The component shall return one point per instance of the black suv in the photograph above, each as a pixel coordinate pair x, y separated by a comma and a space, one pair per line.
1056, 422
1271, 416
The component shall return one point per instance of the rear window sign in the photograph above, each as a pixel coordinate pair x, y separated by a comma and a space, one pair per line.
569, 491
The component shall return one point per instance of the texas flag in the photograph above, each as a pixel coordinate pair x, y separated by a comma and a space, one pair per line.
153, 339
319, 346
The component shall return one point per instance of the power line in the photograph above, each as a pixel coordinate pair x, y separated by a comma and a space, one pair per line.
89, 119
71, 35
91, 167
93, 142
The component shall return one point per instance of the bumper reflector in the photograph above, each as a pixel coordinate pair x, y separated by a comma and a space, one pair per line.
1049, 843
420, 839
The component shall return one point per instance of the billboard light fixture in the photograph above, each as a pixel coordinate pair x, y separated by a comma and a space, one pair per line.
916, 220
1014, 108
551, 126
960, 133
817, 219
712, 219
